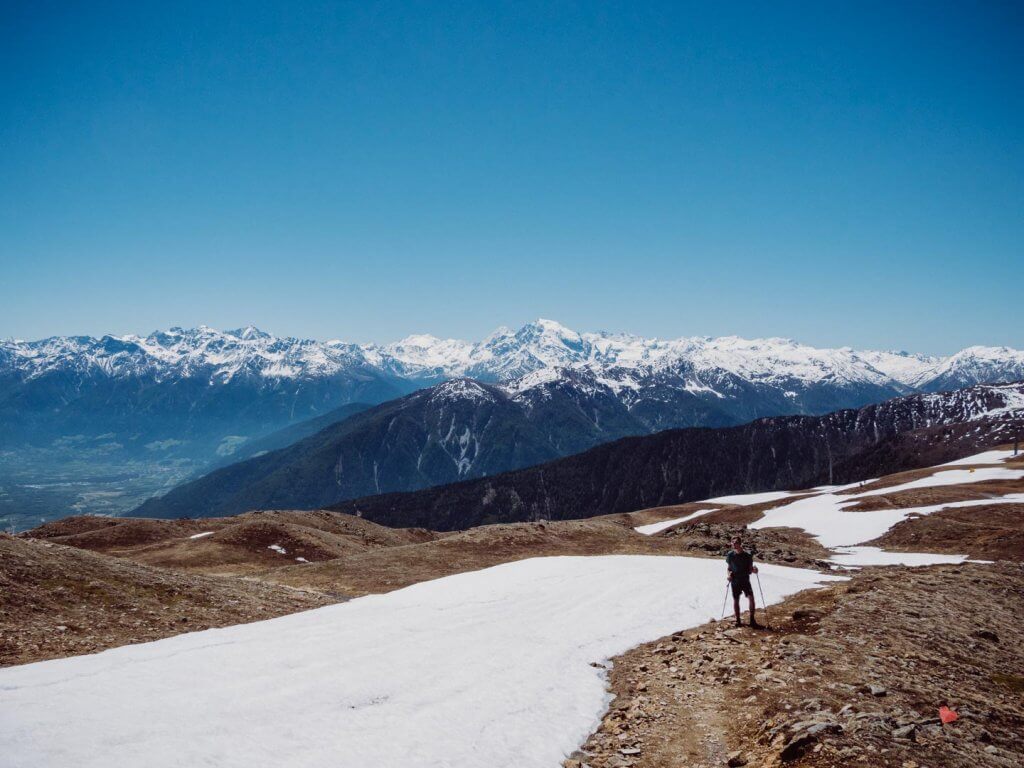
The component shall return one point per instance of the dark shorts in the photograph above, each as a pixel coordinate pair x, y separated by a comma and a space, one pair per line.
741, 586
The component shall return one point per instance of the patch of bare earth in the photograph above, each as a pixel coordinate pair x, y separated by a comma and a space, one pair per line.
850, 675
785, 546
986, 533
60, 601
383, 570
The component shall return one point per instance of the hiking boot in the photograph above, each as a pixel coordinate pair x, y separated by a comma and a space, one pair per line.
754, 624
739, 623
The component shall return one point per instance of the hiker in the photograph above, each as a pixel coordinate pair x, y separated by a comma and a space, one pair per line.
740, 564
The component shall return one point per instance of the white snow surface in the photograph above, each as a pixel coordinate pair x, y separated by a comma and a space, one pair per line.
987, 457
746, 499
826, 518
949, 477
904, 367
484, 668
850, 557
653, 528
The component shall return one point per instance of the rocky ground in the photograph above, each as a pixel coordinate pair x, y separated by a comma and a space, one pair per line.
849, 675
60, 601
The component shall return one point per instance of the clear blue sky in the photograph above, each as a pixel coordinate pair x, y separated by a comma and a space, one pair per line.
840, 173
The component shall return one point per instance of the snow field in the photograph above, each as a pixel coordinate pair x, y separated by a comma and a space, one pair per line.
949, 477
746, 499
653, 528
491, 667
860, 556
826, 517
988, 457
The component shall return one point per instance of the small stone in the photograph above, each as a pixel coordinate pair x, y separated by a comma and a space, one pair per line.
736, 759
906, 732
795, 748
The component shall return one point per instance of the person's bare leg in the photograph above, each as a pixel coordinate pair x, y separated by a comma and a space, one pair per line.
736, 610
750, 599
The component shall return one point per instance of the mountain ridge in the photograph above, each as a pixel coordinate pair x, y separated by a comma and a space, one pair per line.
501, 356
461, 440
159, 409
677, 466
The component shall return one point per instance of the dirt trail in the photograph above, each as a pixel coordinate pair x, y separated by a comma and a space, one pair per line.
850, 675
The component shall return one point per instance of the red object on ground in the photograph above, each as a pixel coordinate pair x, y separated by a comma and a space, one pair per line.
947, 715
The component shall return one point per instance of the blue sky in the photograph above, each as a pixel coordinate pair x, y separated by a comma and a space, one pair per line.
840, 173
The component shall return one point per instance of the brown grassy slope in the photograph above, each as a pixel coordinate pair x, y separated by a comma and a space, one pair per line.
237, 545
60, 601
993, 532
385, 569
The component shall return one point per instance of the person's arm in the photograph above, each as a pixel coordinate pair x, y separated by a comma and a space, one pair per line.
728, 566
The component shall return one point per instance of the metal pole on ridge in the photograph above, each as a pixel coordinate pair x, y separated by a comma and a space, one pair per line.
725, 600
767, 616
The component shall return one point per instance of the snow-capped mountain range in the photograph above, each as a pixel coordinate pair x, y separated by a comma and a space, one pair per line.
171, 404
199, 393
504, 356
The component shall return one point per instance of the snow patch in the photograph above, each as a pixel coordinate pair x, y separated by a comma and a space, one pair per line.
827, 518
850, 557
491, 667
988, 457
746, 499
949, 477
653, 528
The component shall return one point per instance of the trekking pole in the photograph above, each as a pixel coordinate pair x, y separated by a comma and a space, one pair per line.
767, 616
725, 599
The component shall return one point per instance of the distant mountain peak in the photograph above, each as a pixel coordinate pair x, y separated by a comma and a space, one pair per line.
462, 389
506, 355
249, 332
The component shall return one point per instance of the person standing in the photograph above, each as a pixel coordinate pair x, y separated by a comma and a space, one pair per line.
740, 565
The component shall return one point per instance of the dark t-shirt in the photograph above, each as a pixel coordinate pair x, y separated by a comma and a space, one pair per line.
739, 563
